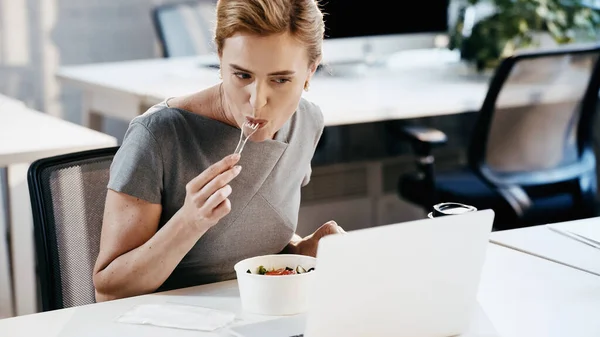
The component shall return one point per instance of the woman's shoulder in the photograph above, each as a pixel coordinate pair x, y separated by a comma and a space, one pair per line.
164, 121
159, 118
310, 113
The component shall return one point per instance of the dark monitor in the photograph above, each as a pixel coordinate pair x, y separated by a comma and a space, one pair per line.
359, 18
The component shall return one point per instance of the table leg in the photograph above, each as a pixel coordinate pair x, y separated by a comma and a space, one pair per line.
5, 194
95, 121
90, 118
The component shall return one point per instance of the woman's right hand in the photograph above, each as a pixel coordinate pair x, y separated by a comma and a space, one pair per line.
206, 200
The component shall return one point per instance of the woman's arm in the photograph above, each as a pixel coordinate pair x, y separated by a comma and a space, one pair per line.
134, 257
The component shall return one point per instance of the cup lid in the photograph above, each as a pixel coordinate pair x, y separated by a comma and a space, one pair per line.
451, 208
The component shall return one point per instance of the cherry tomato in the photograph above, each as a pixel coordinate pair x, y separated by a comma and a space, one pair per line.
276, 272
281, 271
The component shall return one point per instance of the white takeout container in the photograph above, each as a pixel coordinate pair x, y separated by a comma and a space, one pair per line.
275, 295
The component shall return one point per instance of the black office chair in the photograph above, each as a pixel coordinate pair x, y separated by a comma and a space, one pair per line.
67, 198
531, 162
185, 29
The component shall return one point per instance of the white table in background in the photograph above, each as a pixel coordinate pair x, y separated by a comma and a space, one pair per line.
545, 243
25, 136
521, 294
401, 87
7, 102
125, 89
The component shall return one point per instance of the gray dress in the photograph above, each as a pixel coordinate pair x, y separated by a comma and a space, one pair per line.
165, 148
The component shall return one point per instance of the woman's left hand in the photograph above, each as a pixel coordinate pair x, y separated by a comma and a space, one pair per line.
308, 245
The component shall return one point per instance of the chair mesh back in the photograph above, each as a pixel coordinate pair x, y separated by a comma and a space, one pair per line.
75, 193
187, 29
535, 123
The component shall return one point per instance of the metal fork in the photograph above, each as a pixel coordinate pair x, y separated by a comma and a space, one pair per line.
247, 130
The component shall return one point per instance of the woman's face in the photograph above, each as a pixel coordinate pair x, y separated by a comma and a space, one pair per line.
263, 79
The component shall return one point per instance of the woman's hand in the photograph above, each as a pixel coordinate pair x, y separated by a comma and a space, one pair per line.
308, 245
206, 200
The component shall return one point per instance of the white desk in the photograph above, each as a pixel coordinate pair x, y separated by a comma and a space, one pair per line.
545, 243
7, 102
125, 89
25, 136
526, 296
404, 87
521, 294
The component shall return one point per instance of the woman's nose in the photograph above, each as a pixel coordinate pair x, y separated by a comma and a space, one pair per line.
258, 97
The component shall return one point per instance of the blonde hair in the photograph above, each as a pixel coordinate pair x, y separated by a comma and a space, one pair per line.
301, 18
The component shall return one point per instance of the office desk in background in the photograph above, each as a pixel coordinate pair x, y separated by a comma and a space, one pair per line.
405, 85
400, 88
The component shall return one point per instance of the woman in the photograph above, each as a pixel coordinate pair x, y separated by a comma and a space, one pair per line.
180, 209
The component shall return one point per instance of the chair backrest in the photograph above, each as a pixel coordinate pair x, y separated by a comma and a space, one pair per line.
534, 126
67, 197
185, 29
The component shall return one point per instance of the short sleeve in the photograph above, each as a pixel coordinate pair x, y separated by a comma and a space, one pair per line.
137, 168
320, 125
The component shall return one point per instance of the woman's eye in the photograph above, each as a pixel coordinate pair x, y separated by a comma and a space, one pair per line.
282, 80
242, 76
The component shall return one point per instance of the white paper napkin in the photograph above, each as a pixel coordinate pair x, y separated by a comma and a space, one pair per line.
177, 316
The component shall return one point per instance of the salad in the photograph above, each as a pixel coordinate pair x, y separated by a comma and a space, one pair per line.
261, 270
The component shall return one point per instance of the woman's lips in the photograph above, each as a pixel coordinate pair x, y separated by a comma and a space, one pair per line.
260, 122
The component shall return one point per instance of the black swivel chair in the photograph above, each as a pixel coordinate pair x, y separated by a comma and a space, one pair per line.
67, 198
533, 162
185, 29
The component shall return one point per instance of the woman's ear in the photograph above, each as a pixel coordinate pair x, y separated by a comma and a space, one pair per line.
314, 66
311, 71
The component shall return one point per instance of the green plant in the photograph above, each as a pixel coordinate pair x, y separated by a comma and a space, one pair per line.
517, 24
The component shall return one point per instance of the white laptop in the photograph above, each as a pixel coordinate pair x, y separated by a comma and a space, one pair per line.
417, 279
